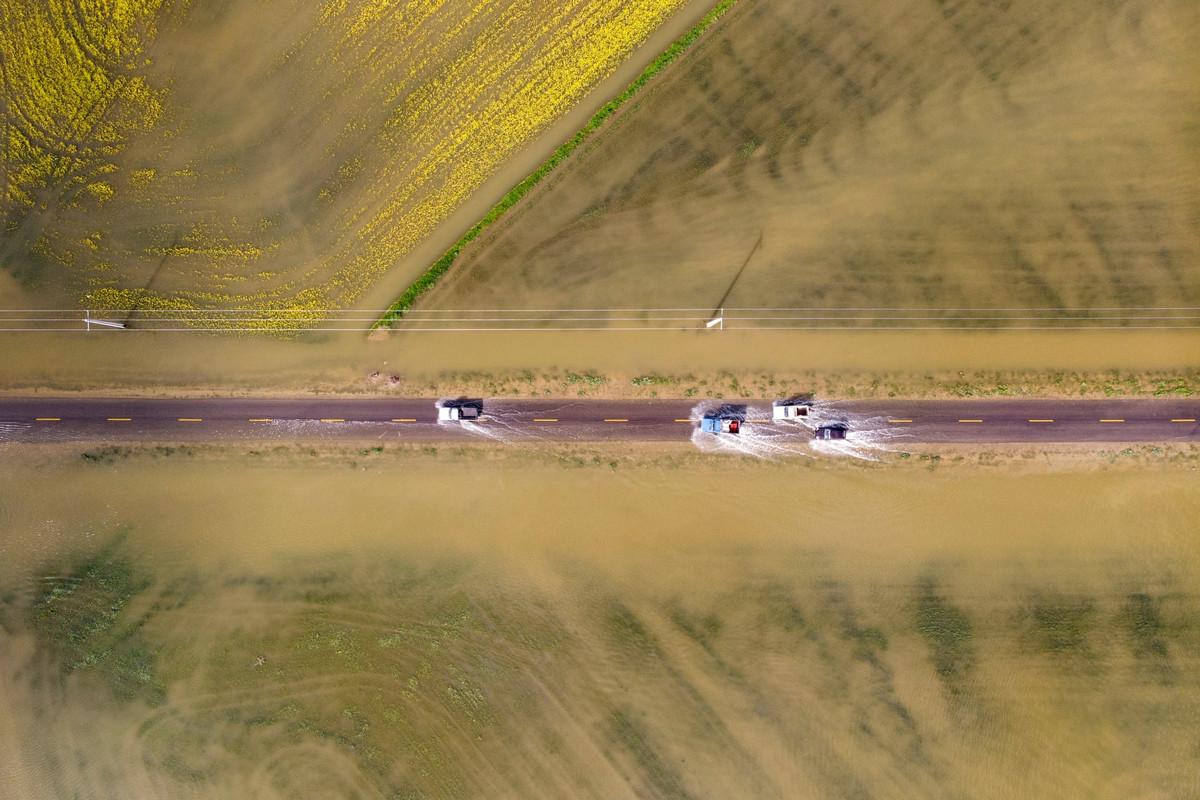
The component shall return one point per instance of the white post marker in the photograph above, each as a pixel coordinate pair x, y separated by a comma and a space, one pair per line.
720, 320
87, 319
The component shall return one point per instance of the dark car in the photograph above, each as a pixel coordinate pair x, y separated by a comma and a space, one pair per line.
832, 430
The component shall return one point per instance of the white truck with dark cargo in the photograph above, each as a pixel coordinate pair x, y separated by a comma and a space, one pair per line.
450, 411
784, 411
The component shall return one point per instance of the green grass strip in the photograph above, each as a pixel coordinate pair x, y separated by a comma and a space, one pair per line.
564, 151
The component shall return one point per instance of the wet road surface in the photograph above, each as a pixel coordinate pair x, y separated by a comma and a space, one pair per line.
983, 421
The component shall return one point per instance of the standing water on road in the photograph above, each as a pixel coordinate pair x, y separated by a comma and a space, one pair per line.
761, 436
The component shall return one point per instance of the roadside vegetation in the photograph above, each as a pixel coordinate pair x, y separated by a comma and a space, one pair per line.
725, 385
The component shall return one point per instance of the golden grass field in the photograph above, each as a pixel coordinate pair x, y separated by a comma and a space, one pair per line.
271, 154
409, 623
919, 155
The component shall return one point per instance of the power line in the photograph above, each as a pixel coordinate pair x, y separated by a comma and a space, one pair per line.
409, 312
484, 320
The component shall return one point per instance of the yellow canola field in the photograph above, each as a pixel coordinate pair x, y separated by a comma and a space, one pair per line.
383, 116
72, 94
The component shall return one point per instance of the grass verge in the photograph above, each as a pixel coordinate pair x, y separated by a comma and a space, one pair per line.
564, 151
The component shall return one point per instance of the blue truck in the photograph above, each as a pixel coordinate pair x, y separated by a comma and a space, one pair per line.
720, 425
726, 418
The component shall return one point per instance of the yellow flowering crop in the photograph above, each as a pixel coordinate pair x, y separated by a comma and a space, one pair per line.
420, 100
71, 92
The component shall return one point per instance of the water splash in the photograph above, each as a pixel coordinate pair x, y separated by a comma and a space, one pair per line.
310, 428
869, 437
763, 437
497, 425
12, 431
759, 436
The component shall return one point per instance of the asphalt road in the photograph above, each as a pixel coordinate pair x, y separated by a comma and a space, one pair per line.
58, 419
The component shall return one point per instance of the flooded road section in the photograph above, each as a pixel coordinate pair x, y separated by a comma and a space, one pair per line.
435, 623
852, 427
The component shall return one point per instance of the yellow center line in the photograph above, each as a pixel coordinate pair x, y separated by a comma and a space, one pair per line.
331, 419
404, 420
685, 420
1183, 420
118, 419
970, 420
1112, 420
616, 420
758, 420
48, 419
262, 419
545, 419
186, 419
899, 420
1041, 420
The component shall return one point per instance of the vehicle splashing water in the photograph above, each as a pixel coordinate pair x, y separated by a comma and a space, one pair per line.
761, 436
495, 422
868, 437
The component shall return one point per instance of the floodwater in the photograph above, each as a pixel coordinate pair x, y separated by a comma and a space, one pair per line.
929, 157
179, 362
869, 438
474, 622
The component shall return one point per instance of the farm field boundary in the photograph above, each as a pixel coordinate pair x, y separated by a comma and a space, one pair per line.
918, 156
443, 264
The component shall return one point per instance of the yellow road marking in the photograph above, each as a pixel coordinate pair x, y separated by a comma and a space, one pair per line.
758, 420
118, 419
262, 419
685, 420
545, 419
899, 420
616, 420
331, 419
1112, 420
188, 419
970, 420
1041, 420
1183, 420
404, 420
48, 419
